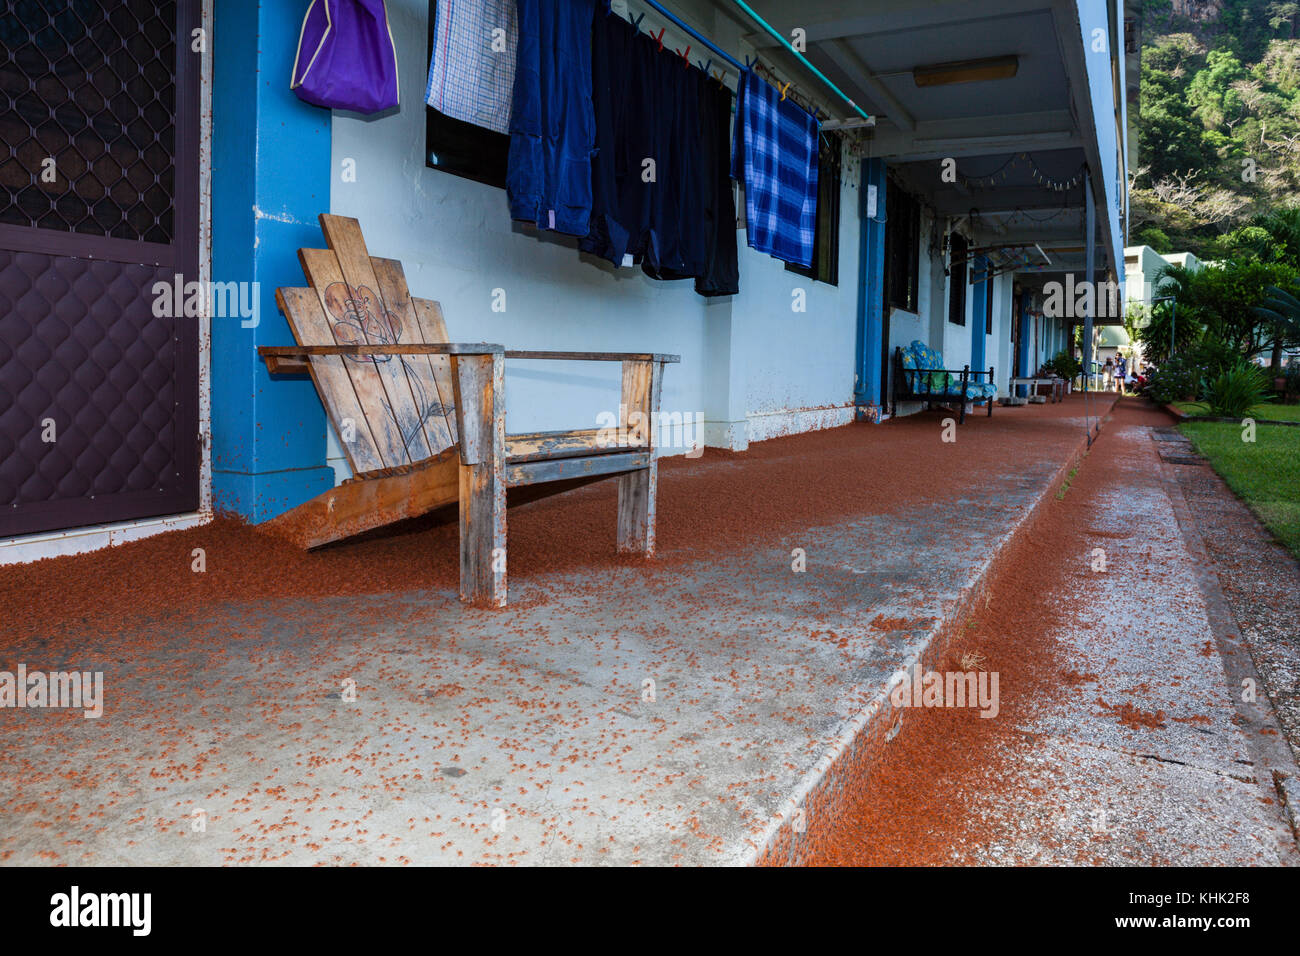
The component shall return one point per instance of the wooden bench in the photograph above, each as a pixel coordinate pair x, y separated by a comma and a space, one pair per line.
422, 420
919, 376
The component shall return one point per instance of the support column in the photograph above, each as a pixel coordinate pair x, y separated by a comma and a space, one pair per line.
869, 382
726, 418
270, 179
1026, 341
979, 315
1090, 254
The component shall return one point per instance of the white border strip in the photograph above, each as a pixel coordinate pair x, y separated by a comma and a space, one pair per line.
54, 544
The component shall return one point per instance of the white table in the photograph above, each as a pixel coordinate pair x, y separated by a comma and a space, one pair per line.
1057, 385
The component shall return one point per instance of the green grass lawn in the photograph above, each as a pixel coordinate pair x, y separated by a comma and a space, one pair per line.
1278, 413
1265, 474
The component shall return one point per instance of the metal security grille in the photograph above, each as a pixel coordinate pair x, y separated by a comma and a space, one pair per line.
98, 204
89, 90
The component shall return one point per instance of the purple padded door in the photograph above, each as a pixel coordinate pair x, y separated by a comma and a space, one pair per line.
99, 110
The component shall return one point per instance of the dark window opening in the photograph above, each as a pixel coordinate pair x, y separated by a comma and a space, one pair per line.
826, 238
460, 148
988, 299
902, 249
957, 279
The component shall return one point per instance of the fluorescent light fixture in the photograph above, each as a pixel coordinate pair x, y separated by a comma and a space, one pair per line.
967, 71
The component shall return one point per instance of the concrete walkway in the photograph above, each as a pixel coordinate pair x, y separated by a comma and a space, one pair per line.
1166, 751
682, 711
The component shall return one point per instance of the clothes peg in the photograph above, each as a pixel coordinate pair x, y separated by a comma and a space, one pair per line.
706, 66
636, 24
784, 90
684, 56
719, 75
749, 64
660, 38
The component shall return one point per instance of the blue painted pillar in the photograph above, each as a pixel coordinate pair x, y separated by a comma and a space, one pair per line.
979, 316
270, 179
871, 280
1026, 341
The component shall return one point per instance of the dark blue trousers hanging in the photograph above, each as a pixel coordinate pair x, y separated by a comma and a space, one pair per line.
649, 105
552, 127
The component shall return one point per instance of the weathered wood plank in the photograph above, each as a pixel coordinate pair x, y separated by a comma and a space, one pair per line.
370, 378
443, 349
592, 356
563, 469
307, 321
419, 368
429, 314
481, 422
284, 365
638, 490
536, 446
380, 325
358, 506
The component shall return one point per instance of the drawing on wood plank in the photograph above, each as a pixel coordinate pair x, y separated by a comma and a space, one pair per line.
360, 318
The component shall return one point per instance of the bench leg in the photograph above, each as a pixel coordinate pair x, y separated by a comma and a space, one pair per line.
481, 421
637, 490
636, 511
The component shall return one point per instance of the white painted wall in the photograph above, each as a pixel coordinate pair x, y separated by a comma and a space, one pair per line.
751, 364
998, 346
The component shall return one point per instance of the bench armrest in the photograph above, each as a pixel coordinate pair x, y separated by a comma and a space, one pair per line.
593, 356
292, 359
445, 348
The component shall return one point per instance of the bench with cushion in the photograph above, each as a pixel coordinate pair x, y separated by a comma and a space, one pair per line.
919, 376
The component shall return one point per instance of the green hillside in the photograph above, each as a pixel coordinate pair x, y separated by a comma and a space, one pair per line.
1219, 124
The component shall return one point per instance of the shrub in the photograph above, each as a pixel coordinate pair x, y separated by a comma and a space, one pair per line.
1064, 365
1234, 392
1177, 378
1213, 356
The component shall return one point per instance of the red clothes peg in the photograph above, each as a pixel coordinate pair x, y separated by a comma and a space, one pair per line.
660, 38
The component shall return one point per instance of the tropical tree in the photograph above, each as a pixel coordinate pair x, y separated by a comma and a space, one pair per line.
1281, 310
1217, 303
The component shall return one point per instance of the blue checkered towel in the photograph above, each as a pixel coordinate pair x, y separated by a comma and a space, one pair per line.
774, 154
468, 79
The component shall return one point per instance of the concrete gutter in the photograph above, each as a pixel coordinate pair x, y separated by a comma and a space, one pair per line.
861, 741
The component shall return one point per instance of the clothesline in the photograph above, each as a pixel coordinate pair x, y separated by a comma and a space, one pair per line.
751, 63
696, 35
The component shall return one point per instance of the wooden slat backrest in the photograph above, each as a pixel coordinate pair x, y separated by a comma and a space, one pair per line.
433, 397
335, 383
429, 315
391, 411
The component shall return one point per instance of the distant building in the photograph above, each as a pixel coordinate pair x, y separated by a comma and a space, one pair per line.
1141, 266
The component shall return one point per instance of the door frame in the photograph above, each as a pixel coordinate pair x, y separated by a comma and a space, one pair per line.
196, 257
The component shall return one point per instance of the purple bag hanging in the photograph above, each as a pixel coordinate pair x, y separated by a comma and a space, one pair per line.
346, 58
